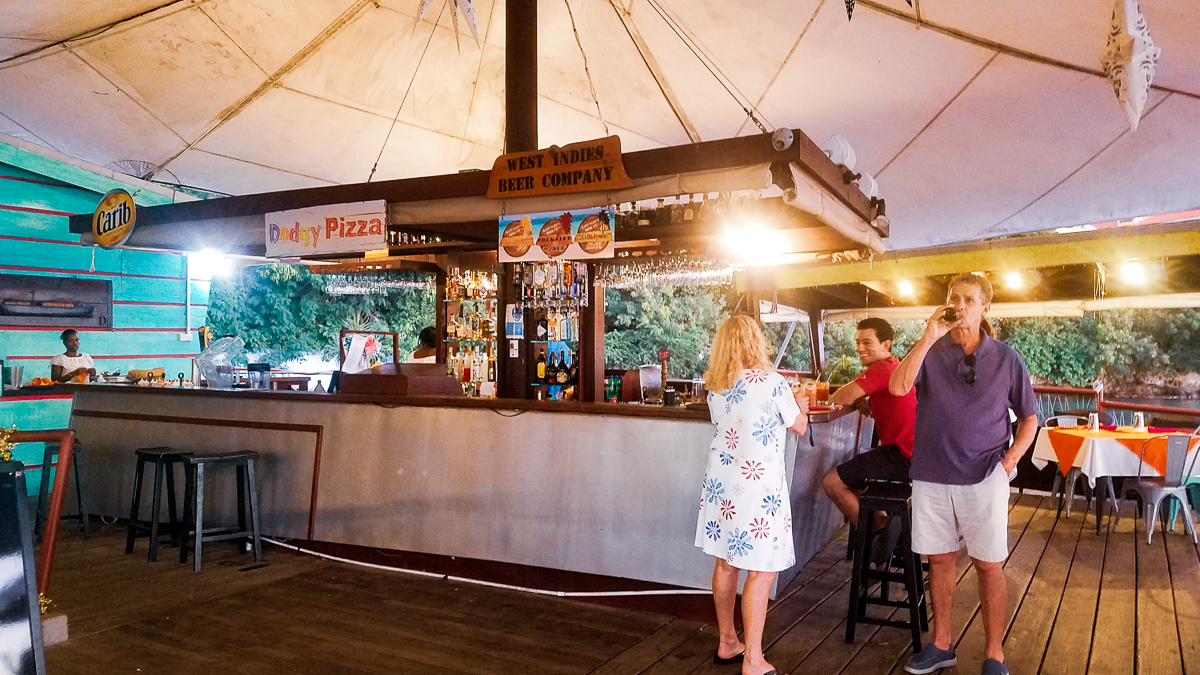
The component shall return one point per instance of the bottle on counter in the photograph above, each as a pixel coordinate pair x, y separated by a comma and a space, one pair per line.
662, 215
677, 211
541, 368
689, 210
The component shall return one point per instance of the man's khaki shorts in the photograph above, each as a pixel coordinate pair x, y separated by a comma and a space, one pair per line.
979, 513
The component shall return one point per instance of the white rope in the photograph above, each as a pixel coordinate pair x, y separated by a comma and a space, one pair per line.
490, 584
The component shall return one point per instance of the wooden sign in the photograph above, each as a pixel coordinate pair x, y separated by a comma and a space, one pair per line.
590, 166
336, 228
114, 218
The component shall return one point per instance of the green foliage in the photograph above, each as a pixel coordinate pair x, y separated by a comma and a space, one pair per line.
797, 355
1057, 350
683, 320
283, 312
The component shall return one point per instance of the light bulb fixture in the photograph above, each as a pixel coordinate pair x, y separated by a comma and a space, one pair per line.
904, 287
207, 264
753, 241
1014, 280
1132, 272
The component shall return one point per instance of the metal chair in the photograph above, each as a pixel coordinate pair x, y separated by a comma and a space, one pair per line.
1173, 483
1105, 484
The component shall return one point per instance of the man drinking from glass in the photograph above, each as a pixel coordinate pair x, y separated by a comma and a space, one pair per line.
963, 453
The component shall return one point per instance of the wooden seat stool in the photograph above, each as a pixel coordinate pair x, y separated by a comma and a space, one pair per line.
49, 459
164, 460
894, 499
247, 502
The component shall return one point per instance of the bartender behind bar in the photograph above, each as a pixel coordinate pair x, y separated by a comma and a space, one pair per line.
72, 364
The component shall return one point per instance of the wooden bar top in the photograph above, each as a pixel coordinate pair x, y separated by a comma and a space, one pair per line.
619, 409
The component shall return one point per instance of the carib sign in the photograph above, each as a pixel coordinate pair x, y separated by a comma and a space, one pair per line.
113, 221
336, 228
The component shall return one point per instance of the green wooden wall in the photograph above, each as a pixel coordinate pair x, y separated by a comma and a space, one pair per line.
149, 288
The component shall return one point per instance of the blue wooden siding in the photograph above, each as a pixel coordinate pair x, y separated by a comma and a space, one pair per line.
149, 288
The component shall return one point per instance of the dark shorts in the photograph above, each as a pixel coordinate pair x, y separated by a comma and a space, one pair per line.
885, 462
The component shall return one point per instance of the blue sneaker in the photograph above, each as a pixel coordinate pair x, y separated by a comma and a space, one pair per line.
994, 667
930, 659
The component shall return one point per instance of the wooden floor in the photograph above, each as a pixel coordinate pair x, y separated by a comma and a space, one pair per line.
1078, 603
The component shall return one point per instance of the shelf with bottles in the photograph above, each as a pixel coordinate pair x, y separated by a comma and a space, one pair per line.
557, 370
474, 369
558, 284
701, 215
466, 285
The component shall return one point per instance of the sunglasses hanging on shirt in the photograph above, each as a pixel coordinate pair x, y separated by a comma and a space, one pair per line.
969, 360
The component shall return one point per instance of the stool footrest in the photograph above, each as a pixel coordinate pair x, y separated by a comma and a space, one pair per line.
887, 603
884, 622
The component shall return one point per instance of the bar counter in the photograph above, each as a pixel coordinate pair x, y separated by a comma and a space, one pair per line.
606, 489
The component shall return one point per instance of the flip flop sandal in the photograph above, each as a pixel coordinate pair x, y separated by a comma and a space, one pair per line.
722, 661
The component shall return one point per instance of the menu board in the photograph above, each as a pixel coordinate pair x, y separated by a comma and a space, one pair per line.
579, 235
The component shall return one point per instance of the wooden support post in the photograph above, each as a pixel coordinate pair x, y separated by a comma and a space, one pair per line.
520, 76
591, 342
439, 314
816, 332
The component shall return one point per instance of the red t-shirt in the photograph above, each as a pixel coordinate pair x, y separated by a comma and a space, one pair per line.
895, 416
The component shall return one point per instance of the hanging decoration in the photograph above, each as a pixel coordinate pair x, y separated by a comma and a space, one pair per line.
467, 8
1129, 59
849, 9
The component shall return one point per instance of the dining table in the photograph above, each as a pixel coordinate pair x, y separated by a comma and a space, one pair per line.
1104, 453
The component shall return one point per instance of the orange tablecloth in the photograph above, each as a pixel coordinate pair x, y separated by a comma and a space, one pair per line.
1067, 442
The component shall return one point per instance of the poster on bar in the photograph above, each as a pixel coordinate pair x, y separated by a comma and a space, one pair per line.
580, 235
335, 228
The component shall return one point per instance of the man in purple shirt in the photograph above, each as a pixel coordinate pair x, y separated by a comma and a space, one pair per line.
963, 452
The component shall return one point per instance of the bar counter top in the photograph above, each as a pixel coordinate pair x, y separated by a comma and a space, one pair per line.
618, 409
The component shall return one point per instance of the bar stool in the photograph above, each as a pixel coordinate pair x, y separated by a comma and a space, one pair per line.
194, 470
49, 458
894, 499
164, 460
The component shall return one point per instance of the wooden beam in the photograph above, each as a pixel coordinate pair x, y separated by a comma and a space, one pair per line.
1176, 239
707, 156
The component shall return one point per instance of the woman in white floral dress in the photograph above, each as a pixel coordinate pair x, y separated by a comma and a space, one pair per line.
745, 513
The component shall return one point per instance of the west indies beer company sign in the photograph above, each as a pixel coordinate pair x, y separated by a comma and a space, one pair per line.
337, 228
590, 166
577, 235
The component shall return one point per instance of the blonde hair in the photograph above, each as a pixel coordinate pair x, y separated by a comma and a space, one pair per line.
738, 345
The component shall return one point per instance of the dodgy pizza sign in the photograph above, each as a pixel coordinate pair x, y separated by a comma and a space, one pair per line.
590, 166
338, 228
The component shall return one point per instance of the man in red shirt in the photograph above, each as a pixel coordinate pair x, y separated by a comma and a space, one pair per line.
895, 420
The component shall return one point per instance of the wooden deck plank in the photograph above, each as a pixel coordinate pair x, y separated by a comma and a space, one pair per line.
1116, 613
650, 649
1071, 638
1029, 632
1185, 582
1157, 634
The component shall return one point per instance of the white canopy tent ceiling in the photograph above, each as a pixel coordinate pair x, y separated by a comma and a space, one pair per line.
977, 118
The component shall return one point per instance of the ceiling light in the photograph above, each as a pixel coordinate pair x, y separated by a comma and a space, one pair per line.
1133, 272
905, 287
207, 264
1014, 280
754, 241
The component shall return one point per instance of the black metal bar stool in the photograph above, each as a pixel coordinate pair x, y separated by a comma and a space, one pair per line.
193, 506
894, 499
164, 460
49, 458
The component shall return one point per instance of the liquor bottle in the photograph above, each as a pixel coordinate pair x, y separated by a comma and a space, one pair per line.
662, 215
552, 368
677, 211
491, 365
563, 373
542, 329
552, 326
568, 278
452, 284
689, 210
581, 273
539, 281
466, 368
645, 216
541, 368
573, 372
552, 279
